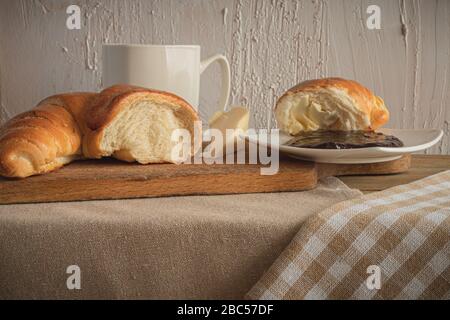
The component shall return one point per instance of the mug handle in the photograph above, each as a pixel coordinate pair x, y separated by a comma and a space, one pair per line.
226, 76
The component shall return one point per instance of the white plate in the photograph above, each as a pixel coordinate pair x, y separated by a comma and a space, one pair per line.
413, 140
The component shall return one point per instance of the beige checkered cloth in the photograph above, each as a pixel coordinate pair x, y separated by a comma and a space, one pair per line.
402, 233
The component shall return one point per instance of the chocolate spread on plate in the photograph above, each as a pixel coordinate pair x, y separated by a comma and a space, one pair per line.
343, 140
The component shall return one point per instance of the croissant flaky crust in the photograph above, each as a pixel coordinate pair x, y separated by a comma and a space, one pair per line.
330, 104
127, 122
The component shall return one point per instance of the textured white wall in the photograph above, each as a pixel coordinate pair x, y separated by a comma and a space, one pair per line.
271, 45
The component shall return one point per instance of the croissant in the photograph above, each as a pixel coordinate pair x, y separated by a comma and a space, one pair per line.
330, 104
126, 122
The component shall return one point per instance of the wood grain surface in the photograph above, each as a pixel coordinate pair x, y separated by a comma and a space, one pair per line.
111, 179
421, 166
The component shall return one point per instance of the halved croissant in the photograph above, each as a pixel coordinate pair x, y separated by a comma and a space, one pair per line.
135, 124
330, 104
127, 122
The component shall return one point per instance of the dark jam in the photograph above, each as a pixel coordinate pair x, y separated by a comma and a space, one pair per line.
343, 140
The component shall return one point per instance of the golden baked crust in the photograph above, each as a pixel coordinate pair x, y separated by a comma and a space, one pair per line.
42, 139
362, 98
76, 104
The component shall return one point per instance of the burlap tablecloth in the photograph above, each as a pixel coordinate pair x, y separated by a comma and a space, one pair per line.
184, 247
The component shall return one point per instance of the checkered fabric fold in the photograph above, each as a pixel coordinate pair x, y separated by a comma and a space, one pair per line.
393, 244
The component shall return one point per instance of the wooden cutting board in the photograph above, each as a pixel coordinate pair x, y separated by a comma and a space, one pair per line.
111, 179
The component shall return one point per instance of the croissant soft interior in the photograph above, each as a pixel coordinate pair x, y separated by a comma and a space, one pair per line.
143, 131
330, 104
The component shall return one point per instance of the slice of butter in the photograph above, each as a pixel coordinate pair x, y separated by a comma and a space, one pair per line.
236, 118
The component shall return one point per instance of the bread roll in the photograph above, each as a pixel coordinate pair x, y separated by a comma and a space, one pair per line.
330, 104
126, 122
135, 124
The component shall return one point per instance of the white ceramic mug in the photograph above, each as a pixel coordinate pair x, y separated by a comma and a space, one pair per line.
175, 69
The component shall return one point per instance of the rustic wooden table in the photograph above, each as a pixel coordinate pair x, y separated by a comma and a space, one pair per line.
421, 166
